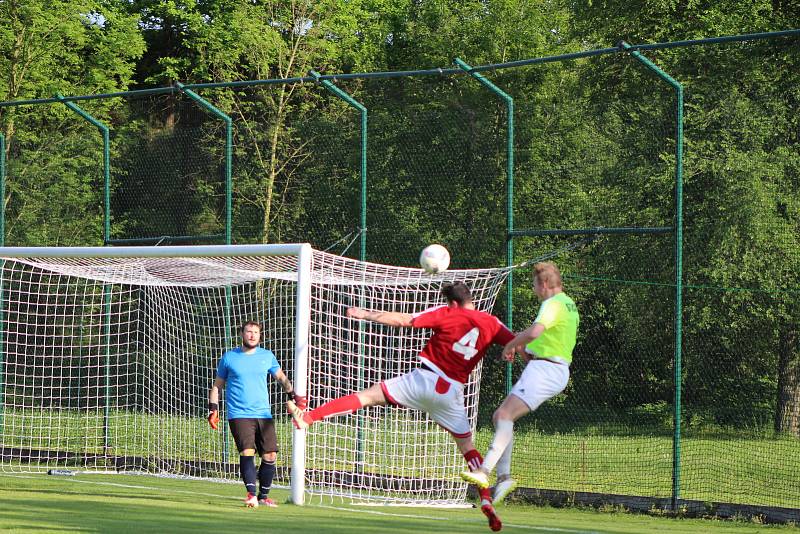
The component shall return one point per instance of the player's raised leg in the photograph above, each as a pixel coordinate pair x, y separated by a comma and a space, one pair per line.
512, 409
474, 461
505, 484
372, 396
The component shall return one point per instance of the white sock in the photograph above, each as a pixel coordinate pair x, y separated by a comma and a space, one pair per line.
504, 465
503, 434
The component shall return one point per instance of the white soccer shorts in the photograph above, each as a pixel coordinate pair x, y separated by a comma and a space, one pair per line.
541, 380
424, 390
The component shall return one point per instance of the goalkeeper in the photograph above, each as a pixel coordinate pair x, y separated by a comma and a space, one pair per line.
245, 370
461, 336
547, 348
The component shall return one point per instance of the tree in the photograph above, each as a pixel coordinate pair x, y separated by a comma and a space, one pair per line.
229, 41
69, 47
741, 218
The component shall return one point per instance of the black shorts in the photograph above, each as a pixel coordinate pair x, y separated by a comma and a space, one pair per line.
258, 434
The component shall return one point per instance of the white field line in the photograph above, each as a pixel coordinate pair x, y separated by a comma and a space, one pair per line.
130, 486
459, 520
341, 509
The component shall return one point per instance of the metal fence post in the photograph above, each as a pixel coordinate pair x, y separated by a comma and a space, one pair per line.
676, 440
509, 196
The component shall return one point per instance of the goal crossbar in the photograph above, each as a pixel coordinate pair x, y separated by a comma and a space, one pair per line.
193, 251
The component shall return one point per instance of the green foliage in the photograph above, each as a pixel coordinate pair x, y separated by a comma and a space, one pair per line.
65, 45
594, 146
54, 158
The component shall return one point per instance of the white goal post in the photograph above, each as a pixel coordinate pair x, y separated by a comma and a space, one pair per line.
107, 355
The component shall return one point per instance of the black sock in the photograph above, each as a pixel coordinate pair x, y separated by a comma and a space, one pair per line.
265, 475
247, 467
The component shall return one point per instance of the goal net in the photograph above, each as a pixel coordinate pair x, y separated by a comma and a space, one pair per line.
107, 356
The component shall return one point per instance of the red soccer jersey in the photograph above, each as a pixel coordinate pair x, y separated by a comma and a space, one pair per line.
460, 338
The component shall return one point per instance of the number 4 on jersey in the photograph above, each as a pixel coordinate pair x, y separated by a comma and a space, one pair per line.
466, 345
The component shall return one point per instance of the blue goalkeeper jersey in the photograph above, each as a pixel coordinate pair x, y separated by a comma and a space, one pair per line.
245, 376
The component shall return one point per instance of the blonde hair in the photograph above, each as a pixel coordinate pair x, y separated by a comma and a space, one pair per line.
548, 274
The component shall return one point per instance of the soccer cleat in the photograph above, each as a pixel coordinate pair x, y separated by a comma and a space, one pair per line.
297, 415
503, 488
479, 478
494, 522
251, 501
266, 501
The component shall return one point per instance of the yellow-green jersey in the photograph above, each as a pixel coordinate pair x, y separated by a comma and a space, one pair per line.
559, 316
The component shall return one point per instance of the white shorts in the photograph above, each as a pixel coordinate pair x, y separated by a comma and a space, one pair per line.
541, 380
426, 391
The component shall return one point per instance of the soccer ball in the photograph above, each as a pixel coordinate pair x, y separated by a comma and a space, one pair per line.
434, 259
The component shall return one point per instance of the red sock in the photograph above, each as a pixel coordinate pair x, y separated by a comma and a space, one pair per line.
474, 461
340, 406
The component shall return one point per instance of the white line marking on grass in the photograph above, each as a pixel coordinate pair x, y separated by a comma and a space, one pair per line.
439, 518
376, 512
340, 509
550, 529
130, 486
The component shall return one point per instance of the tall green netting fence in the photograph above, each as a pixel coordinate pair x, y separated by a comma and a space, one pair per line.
296, 167
168, 175
598, 157
436, 165
54, 178
741, 406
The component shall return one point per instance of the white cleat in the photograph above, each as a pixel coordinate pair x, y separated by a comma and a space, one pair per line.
251, 501
503, 488
266, 501
479, 478
297, 415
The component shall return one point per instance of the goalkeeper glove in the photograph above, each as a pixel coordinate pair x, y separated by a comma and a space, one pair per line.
213, 415
300, 400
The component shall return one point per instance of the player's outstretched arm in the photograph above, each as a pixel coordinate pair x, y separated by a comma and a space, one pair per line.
521, 340
382, 317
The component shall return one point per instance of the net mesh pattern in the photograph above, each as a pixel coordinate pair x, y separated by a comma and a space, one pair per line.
107, 365
388, 454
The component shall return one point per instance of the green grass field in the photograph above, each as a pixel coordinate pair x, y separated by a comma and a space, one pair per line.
127, 503
730, 468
